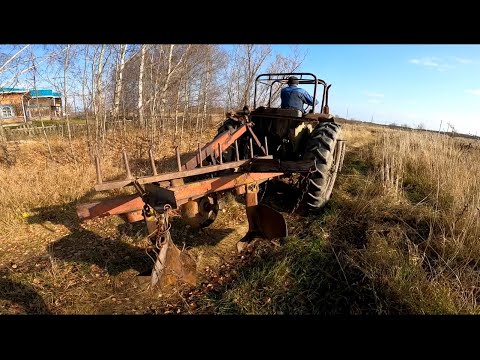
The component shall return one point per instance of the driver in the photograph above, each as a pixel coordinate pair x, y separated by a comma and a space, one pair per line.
294, 97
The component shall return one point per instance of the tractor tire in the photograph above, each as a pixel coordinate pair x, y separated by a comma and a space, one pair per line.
327, 150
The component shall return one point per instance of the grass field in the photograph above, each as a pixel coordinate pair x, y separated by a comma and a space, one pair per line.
399, 236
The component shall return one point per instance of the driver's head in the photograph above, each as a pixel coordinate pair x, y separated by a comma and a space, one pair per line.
292, 80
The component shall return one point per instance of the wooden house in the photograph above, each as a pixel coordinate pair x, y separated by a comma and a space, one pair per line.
13, 106
45, 103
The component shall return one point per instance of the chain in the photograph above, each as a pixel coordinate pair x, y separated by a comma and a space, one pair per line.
264, 191
160, 236
305, 179
166, 227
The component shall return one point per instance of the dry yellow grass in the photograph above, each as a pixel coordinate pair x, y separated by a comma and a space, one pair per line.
423, 235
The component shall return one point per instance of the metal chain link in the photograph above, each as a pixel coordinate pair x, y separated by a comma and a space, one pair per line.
166, 226
160, 236
305, 179
264, 192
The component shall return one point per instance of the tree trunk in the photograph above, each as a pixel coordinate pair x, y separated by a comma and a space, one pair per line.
177, 105
100, 105
41, 120
85, 107
205, 95
140, 87
65, 67
118, 81
186, 111
165, 86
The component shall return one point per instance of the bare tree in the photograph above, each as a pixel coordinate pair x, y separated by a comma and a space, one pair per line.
8, 61
205, 88
118, 80
34, 69
140, 86
84, 98
166, 82
65, 97
246, 62
281, 64
253, 58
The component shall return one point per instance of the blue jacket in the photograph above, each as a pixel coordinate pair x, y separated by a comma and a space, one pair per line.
294, 97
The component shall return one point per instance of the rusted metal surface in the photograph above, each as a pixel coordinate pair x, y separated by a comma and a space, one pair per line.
116, 184
115, 206
193, 172
133, 216
270, 222
171, 264
175, 195
263, 221
169, 176
226, 139
200, 188
240, 190
257, 141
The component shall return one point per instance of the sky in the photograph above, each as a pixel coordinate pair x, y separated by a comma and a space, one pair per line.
427, 85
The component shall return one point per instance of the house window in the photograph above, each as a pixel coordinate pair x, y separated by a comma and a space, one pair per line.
6, 112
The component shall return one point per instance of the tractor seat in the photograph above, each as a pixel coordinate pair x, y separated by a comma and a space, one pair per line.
278, 112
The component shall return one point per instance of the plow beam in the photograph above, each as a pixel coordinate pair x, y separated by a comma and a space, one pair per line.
197, 189
129, 205
174, 195
225, 139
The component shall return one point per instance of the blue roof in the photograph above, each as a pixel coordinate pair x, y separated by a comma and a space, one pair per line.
12, 90
44, 93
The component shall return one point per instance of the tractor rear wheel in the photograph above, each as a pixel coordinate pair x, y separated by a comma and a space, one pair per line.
327, 150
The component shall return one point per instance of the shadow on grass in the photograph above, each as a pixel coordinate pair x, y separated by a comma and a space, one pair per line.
23, 295
110, 252
83, 245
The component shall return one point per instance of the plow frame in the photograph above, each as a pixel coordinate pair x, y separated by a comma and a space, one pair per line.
172, 190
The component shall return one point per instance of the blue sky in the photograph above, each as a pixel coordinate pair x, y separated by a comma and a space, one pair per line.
403, 84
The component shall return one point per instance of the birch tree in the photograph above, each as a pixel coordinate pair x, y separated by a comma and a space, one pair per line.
118, 81
140, 86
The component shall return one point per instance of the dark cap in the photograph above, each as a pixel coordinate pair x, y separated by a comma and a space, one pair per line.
292, 80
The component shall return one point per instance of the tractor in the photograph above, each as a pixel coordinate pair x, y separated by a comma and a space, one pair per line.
250, 149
